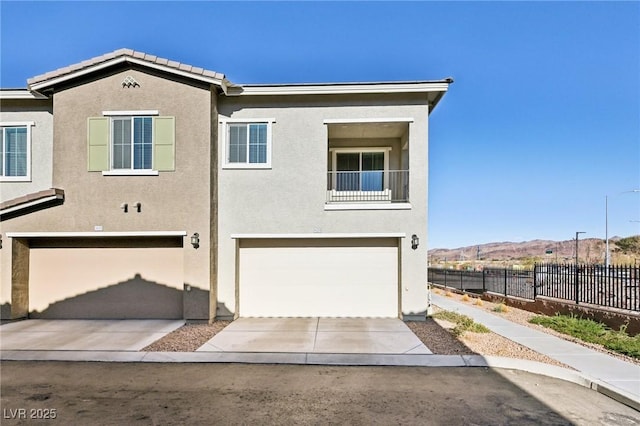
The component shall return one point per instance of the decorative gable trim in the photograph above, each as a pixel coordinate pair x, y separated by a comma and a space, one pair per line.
130, 82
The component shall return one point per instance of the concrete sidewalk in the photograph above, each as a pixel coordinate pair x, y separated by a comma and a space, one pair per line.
599, 367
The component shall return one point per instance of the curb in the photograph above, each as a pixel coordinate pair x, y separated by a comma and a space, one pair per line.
561, 373
301, 358
617, 394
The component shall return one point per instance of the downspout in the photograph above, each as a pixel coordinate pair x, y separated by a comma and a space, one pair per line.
213, 206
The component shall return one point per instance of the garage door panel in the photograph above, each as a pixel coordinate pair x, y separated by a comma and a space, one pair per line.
104, 283
307, 280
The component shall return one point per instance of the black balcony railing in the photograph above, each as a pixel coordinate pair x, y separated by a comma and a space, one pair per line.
379, 186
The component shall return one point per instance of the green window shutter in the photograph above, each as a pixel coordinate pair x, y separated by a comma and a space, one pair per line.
164, 144
98, 144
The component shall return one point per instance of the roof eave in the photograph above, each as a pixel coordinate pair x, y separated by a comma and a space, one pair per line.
21, 94
340, 88
51, 82
31, 202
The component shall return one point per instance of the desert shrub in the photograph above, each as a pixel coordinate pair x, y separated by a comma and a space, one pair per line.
501, 308
591, 331
463, 323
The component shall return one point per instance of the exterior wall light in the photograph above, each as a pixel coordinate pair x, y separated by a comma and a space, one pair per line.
415, 241
195, 240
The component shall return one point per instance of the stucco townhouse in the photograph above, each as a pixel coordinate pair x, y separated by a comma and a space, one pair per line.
134, 186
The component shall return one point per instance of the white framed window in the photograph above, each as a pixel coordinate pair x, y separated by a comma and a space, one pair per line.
247, 143
131, 143
15, 151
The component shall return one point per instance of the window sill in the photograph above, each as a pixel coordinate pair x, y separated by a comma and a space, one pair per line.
130, 173
242, 166
368, 206
15, 179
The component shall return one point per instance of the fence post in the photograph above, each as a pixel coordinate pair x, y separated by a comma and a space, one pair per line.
484, 288
576, 285
535, 280
445, 277
505, 282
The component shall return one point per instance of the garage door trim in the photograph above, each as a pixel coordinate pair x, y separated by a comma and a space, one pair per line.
320, 235
98, 234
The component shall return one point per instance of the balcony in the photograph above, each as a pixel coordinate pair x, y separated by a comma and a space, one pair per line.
383, 186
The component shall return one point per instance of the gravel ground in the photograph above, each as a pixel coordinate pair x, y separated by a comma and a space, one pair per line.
522, 317
187, 338
435, 334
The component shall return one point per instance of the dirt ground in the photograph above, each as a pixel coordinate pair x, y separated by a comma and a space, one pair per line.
148, 394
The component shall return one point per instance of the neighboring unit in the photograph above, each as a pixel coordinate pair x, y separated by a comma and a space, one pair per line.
137, 187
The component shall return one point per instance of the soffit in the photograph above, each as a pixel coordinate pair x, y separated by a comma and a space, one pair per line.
366, 130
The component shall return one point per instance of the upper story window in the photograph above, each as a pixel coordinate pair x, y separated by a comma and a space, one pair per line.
15, 151
131, 143
247, 144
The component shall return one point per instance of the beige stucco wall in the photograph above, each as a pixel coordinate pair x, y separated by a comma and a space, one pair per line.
39, 112
171, 201
290, 197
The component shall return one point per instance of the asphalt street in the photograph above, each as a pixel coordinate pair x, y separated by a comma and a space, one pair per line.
154, 393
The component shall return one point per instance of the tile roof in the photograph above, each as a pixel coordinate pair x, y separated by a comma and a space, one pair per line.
35, 196
151, 59
52, 78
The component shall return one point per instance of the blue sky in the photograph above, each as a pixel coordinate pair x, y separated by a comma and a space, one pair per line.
542, 122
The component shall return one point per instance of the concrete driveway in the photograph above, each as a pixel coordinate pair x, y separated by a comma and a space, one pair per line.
83, 335
252, 335
317, 335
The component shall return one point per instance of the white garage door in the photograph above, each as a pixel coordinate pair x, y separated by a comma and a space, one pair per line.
324, 278
106, 283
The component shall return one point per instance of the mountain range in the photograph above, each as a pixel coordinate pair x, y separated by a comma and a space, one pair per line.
591, 250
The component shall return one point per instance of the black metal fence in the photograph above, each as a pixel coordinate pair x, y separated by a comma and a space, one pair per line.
612, 287
511, 282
